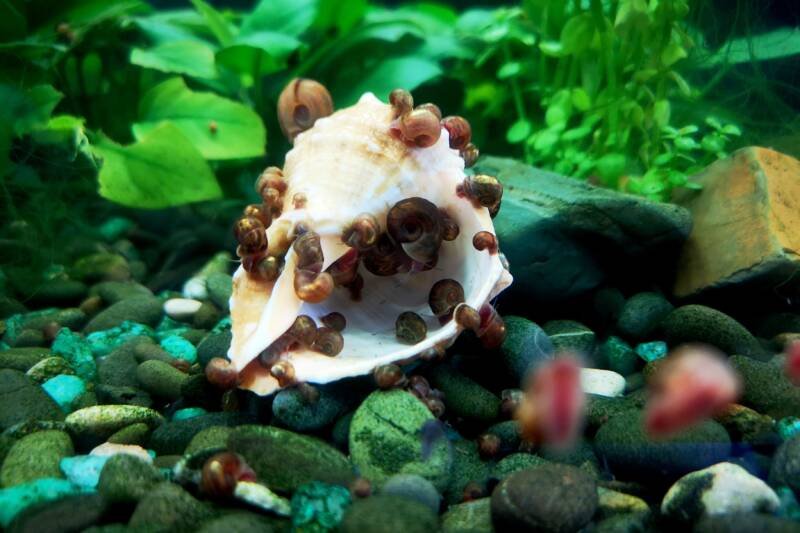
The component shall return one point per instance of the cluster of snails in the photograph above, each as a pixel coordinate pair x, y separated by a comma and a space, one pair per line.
446, 300
421, 126
251, 229
391, 376
304, 334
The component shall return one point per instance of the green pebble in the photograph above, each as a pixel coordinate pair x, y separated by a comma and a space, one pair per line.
126, 479
220, 288
207, 316
167, 508
464, 397
284, 460
35, 456
105, 341
650, 351
102, 421
516, 462
617, 355
21, 400
642, 314
467, 467
508, 432
133, 434
525, 347
385, 439
69, 318
60, 292
23, 359
112, 292
569, 335
389, 514
142, 309
208, 439
29, 338
77, 351
48, 368
99, 267
161, 379
214, 345
65, 390
698, 323
179, 348
319, 506
188, 412
469, 517
788, 427
766, 388
16, 499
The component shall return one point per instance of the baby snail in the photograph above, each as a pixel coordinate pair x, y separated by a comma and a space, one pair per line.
251, 235
300, 104
483, 190
469, 154
221, 473
459, 131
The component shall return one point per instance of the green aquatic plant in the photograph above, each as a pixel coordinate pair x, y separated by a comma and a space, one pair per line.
592, 85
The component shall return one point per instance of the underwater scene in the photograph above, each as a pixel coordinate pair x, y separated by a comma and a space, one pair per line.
369, 266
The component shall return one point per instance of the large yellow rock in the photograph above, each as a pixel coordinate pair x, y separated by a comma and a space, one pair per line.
746, 229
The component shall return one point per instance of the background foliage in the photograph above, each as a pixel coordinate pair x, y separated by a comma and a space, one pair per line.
161, 108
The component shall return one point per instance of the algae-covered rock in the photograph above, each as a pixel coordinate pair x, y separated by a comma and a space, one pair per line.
284, 460
35, 456
385, 439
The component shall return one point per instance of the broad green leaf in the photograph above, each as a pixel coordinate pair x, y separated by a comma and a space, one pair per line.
342, 15
258, 54
162, 170
509, 70
580, 99
731, 129
713, 143
686, 144
219, 128
610, 167
181, 57
661, 113
577, 34
673, 53
632, 13
576, 133
216, 22
519, 131
552, 48
27, 109
407, 72
544, 141
291, 17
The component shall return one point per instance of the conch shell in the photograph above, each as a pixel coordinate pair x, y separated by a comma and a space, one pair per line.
357, 162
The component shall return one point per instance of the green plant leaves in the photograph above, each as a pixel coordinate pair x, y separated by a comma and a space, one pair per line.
291, 17
408, 72
258, 54
776, 44
215, 21
161, 170
193, 58
218, 128
577, 34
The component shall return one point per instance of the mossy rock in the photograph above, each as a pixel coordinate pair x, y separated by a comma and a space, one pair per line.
284, 460
766, 388
35, 456
385, 439
698, 323
389, 514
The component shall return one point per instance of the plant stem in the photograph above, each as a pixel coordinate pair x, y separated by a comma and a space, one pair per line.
516, 92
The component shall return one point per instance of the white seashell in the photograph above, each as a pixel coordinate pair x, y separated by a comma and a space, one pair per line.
345, 165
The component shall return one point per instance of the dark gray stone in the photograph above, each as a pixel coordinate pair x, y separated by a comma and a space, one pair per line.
143, 309
21, 400
698, 323
173, 437
562, 235
547, 498
642, 314
525, 347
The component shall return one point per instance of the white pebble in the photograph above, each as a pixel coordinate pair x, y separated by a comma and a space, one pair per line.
195, 287
109, 448
181, 308
721, 489
602, 382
